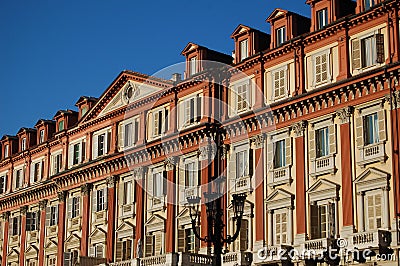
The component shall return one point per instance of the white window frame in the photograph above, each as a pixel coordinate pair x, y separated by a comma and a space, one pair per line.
328, 80
244, 155
242, 91
6, 150
193, 66
322, 149
275, 231
324, 22
71, 152
32, 177
186, 112
161, 110
41, 136
4, 176
285, 85
53, 215
130, 141
373, 193
22, 177
106, 134
56, 164
244, 49
280, 35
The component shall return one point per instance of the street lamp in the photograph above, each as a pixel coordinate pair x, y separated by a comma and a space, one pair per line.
215, 214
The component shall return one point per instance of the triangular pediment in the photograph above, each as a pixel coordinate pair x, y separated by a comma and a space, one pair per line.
372, 178
13, 253
184, 217
277, 13
98, 233
155, 219
278, 194
321, 185
239, 30
189, 48
155, 223
323, 190
279, 198
72, 238
51, 244
31, 250
125, 226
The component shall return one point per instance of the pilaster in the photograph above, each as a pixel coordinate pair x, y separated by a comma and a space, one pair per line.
42, 235
111, 182
61, 227
170, 233
22, 245
6, 219
85, 194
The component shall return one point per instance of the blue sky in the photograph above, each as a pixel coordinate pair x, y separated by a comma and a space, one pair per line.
52, 52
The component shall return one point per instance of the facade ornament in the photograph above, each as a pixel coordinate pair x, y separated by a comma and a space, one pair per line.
111, 180
393, 99
207, 152
170, 162
61, 196
5, 216
299, 128
85, 189
23, 210
345, 114
42, 204
138, 173
224, 151
257, 142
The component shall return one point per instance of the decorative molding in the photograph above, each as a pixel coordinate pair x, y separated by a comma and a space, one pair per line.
43, 204
24, 210
5, 216
224, 151
170, 163
61, 196
257, 142
345, 114
138, 173
299, 128
111, 180
207, 152
85, 189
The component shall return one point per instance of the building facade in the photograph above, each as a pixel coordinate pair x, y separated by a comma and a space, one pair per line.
308, 118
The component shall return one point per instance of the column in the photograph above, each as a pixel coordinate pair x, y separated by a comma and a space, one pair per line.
259, 90
89, 139
299, 68
170, 234
111, 181
27, 172
344, 61
270, 227
360, 207
345, 115
5, 217
385, 201
85, 194
205, 178
61, 227
22, 245
290, 225
257, 144
142, 126
139, 175
42, 232
301, 202
395, 114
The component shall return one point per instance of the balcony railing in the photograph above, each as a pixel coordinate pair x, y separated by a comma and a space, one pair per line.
372, 153
368, 239
323, 165
242, 184
279, 176
237, 259
276, 253
316, 246
127, 210
154, 260
134, 262
186, 259
189, 192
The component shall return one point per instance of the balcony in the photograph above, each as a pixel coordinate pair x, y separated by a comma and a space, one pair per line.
159, 260
365, 240
372, 153
51, 230
237, 258
175, 259
74, 223
323, 165
189, 192
134, 262
279, 176
191, 259
316, 247
242, 184
14, 240
157, 204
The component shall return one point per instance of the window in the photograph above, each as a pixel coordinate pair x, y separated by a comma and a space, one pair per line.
74, 207
97, 251
322, 18
15, 226
32, 221
373, 209
128, 133
52, 261
128, 193
19, 177
57, 163
101, 145
36, 172
41, 136
6, 151
128, 129
371, 129
279, 155
368, 51
191, 110
242, 97
322, 221
279, 83
368, 4
322, 69
160, 122
3, 183
158, 185
280, 219
280, 36
61, 125
242, 164
71, 258
84, 111
191, 241
23, 144
154, 244
127, 249
244, 50
32, 262
76, 153
193, 66
51, 215
322, 141
99, 200
242, 242
190, 174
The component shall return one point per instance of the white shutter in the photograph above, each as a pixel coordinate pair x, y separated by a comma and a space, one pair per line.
106, 142
41, 170
69, 208
95, 144
48, 216
332, 139
70, 155
32, 176
92, 251
356, 54
312, 150
94, 201
156, 117
67, 259
181, 240
359, 131
288, 151
105, 192
382, 125
270, 154
52, 165
78, 199
232, 170
150, 184
121, 136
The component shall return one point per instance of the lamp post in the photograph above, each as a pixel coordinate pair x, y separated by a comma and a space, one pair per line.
215, 222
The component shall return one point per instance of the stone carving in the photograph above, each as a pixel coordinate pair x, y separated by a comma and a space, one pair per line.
85, 189
299, 128
61, 196
170, 162
207, 152
111, 180
24, 210
42, 204
257, 142
345, 114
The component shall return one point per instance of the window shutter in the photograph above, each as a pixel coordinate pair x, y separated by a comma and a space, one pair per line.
314, 221
78, 210
28, 221
359, 131
198, 108
56, 214
108, 142
181, 240
270, 154
380, 48
82, 151
95, 141
356, 54
197, 243
382, 125
243, 241
166, 120
32, 176
105, 193
150, 184
121, 136
69, 208
92, 251
136, 132
18, 224
11, 226
48, 216
156, 130
41, 170
332, 139
67, 259
70, 155
149, 245
312, 150
288, 151
251, 162
331, 216
182, 183
158, 243
164, 182
232, 170
94, 201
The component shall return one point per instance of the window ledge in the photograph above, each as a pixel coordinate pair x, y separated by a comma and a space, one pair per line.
318, 245
372, 153
241, 185
127, 210
189, 192
323, 165
280, 176
158, 206
100, 216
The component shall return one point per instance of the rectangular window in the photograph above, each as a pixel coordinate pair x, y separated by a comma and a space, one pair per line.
242, 97
101, 144
75, 207
53, 219
61, 125
190, 175
322, 142
160, 122
280, 226
128, 192
158, 185
368, 51
279, 154
322, 221
36, 172
373, 208
127, 249
15, 226
321, 68
193, 66
76, 153
244, 50
18, 179
41, 136
191, 241
322, 18
280, 36
100, 194
371, 129
6, 151
57, 163
32, 221
279, 83
128, 133
3, 181
368, 4
242, 165
23, 144
52, 261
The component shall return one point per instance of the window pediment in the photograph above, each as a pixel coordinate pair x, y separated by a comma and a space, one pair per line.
155, 223
279, 198
372, 178
323, 189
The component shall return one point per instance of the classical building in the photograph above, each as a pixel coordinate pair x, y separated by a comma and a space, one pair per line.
305, 121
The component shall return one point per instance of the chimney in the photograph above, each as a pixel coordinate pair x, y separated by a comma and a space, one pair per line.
176, 77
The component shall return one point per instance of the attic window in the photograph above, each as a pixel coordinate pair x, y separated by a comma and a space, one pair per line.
84, 111
61, 125
322, 18
280, 36
41, 137
193, 65
6, 151
244, 50
368, 4
23, 144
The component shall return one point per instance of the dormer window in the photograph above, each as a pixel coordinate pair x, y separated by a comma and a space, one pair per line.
61, 125
322, 18
280, 36
23, 144
6, 151
193, 65
41, 136
84, 111
244, 49
368, 4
